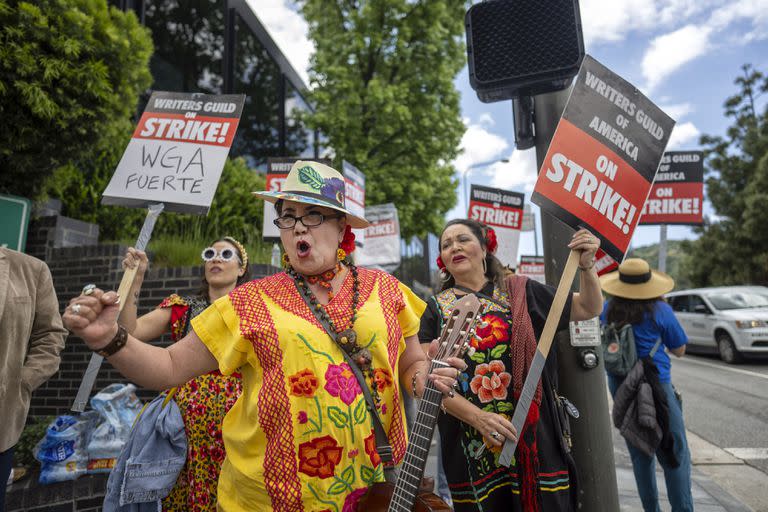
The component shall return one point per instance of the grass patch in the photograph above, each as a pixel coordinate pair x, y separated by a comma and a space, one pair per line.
178, 251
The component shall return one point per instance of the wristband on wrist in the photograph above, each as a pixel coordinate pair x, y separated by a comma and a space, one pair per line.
118, 342
413, 385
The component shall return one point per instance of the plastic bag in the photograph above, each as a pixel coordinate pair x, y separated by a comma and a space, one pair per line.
117, 406
61, 451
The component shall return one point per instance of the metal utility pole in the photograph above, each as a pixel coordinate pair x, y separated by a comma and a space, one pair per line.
586, 388
663, 248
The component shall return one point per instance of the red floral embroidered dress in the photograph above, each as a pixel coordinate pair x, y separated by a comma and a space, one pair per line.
203, 402
301, 437
542, 481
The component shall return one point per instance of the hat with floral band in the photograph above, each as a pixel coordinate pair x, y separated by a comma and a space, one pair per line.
314, 183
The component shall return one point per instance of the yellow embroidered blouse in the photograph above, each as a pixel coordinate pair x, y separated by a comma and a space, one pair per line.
300, 437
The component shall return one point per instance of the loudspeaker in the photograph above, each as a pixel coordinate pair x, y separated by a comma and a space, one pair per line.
522, 47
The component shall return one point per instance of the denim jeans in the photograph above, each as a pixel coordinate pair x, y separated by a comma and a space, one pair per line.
678, 479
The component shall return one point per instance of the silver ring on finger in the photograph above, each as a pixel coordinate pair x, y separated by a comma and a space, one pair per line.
495, 434
75, 309
451, 394
88, 289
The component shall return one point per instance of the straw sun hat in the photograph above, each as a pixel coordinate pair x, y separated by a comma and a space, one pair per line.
314, 183
636, 280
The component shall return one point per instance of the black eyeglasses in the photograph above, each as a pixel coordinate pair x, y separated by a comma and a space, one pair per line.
309, 220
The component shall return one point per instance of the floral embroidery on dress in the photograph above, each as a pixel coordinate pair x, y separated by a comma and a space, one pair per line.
341, 382
319, 457
496, 331
303, 383
490, 381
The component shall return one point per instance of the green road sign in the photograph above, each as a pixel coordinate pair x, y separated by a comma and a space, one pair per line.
14, 220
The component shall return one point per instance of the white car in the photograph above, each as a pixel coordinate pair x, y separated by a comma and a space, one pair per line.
731, 320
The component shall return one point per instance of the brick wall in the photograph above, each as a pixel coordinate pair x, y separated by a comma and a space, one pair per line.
74, 267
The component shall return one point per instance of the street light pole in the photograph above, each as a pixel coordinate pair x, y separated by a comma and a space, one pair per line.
466, 174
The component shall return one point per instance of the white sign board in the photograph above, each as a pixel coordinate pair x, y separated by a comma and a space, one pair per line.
585, 333
529, 219
503, 211
177, 152
533, 267
382, 238
354, 191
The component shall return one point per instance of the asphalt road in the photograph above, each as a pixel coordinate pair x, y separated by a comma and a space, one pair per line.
726, 405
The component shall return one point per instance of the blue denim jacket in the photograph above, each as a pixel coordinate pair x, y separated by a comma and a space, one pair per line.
151, 460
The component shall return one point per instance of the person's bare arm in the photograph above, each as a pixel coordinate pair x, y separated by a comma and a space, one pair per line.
155, 323
153, 367
588, 302
679, 351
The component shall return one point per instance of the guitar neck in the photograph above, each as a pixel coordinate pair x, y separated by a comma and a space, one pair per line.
419, 443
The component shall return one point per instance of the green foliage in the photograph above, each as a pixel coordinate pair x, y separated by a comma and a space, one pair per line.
23, 452
675, 254
384, 96
733, 248
70, 75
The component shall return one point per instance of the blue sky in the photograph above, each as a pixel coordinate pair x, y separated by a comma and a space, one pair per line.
683, 54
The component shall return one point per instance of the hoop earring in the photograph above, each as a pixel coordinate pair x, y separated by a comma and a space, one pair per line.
485, 267
445, 276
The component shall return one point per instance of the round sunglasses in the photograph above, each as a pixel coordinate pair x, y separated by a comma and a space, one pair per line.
227, 254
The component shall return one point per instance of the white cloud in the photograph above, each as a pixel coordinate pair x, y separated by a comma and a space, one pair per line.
519, 174
670, 51
289, 31
486, 119
683, 136
677, 111
478, 145
612, 20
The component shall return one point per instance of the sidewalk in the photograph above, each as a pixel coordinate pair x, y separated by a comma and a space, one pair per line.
743, 489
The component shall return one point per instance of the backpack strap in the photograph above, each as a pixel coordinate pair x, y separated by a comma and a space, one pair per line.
655, 348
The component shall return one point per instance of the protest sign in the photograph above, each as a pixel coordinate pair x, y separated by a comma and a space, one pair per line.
277, 171
529, 219
603, 157
677, 194
382, 238
177, 152
604, 263
533, 267
503, 211
597, 174
354, 190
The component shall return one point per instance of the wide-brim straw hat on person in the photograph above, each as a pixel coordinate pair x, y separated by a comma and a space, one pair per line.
636, 280
314, 183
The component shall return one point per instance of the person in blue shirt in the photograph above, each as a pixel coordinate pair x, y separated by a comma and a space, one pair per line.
636, 294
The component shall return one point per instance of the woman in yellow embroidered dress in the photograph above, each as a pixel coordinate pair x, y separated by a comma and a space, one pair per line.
204, 400
301, 436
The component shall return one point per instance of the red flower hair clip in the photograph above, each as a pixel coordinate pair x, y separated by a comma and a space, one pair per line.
490, 240
440, 263
348, 242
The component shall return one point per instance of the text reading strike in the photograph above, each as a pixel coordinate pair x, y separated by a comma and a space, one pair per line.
592, 190
185, 129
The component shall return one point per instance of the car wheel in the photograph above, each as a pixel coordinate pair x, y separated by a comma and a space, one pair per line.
727, 349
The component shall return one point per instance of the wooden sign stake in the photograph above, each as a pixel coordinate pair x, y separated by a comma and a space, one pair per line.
542, 350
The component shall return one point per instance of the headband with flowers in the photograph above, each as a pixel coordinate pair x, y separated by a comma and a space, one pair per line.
241, 250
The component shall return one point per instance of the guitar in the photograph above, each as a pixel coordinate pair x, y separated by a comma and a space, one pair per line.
406, 494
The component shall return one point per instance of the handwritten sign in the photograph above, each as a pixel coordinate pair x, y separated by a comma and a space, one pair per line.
177, 152
603, 158
677, 194
503, 211
382, 238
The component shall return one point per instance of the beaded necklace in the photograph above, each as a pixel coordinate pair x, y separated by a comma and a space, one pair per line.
324, 279
346, 339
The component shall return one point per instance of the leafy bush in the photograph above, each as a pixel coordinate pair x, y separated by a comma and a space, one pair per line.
32, 433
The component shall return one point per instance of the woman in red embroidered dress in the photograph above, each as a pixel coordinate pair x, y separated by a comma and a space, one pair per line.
204, 400
301, 436
478, 419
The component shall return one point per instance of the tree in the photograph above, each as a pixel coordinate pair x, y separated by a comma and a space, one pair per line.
70, 75
384, 97
733, 248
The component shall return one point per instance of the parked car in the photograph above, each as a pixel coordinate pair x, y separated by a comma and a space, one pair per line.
729, 320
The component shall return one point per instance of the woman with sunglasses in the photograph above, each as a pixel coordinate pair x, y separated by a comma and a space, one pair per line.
315, 345
204, 400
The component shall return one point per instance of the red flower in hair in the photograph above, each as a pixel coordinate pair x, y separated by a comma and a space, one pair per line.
440, 263
348, 243
490, 240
